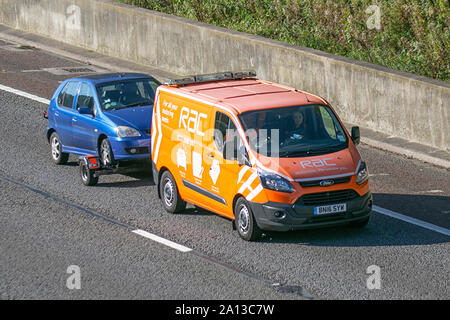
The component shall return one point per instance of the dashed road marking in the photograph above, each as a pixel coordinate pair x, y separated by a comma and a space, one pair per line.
414, 221
161, 240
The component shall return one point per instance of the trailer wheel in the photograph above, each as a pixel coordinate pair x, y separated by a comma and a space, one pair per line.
169, 194
87, 175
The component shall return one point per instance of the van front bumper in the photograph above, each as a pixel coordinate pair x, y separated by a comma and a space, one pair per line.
275, 216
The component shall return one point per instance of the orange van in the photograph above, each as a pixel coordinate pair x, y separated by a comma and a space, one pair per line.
266, 156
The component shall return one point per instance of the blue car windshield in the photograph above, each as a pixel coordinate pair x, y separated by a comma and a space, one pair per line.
126, 93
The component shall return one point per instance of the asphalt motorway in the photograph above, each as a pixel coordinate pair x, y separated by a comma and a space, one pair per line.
50, 221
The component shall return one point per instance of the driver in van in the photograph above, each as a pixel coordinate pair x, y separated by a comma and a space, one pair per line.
297, 129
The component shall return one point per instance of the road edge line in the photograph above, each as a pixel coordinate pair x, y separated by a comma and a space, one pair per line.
24, 94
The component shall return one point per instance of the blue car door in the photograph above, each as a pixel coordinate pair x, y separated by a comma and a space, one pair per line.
64, 112
84, 126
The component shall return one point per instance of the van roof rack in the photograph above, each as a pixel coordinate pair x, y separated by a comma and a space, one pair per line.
237, 75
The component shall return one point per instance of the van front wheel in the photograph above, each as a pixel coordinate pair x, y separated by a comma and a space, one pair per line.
245, 221
169, 194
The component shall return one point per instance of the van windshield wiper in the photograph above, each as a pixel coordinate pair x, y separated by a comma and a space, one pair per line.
310, 152
295, 153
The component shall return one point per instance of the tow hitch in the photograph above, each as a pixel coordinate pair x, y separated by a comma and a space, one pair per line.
91, 169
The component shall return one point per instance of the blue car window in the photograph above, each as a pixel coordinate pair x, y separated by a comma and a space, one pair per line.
67, 95
85, 97
126, 93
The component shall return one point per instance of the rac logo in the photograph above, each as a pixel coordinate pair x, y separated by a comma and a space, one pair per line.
318, 163
191, 120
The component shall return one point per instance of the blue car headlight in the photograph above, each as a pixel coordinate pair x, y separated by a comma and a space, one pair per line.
127, 132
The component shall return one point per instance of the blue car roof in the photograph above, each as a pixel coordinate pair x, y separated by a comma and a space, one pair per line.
108, 77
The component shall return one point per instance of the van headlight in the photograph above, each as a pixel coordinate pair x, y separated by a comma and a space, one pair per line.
127, 132
275, 182
363, 174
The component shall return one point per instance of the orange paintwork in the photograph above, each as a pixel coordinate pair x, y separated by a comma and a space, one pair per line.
182, 142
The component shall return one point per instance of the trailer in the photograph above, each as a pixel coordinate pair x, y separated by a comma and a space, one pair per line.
91, 169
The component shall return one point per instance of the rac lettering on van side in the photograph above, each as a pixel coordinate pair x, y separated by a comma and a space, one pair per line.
318, 163
191, 120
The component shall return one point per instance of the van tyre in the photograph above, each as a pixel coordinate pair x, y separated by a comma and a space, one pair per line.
171, 199
58, 156
87, 175
245, 221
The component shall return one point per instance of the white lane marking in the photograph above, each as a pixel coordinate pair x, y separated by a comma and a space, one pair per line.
24, 94
163, 241
414, 221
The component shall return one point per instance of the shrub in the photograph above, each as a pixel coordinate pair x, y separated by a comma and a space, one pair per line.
414, 35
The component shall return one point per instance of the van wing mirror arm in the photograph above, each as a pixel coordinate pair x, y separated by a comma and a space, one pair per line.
356, 136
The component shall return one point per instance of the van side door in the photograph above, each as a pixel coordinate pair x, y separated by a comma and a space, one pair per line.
223, 174
184, 124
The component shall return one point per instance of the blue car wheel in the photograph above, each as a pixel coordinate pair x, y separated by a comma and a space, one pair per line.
106, 154
58, 156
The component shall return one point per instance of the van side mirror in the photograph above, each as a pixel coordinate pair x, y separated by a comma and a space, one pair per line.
355, 135
229, 150
242, 157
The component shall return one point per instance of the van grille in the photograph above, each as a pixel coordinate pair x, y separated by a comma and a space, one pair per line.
316, 183
331, 197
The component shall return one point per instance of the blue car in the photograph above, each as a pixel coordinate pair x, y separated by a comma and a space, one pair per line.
104, 115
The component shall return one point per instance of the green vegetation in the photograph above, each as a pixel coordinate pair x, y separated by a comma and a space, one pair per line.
414, 35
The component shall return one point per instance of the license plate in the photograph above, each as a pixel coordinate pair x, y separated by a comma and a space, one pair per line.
333, 208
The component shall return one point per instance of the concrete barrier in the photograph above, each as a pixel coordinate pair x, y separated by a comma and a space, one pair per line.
396, 103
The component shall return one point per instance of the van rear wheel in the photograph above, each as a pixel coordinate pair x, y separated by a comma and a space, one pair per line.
245, 221
169, 194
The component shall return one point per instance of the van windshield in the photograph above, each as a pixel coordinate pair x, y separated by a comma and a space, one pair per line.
297, 131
